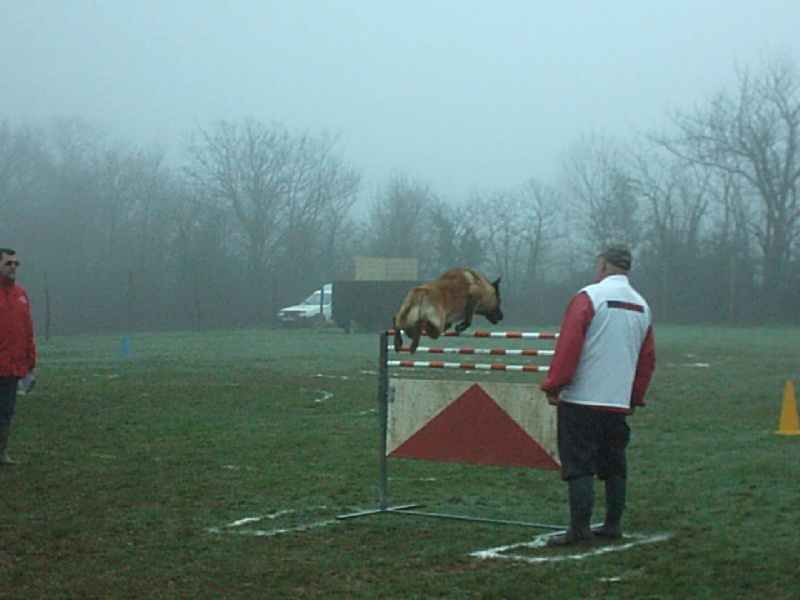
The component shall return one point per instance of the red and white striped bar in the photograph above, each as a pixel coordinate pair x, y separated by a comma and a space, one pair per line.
490, 351
524, 335
422, 364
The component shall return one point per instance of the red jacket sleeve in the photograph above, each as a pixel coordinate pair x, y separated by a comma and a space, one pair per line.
577, 318
645, 367
27, 327
31, 340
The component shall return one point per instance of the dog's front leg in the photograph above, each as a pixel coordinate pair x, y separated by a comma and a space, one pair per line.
415, 335
469, 311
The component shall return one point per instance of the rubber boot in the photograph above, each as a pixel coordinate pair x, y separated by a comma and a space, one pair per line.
581, 503
615, 506
5, 459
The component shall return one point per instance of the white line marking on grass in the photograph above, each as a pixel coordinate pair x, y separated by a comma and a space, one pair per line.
235, 527
322, 395
541, 542
273, 532
325, 396
245, 521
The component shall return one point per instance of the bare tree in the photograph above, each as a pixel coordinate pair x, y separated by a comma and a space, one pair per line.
675, 201
515, 229
500, 225
199, 253
753, 134
278, 186
100, 204
731, 283
603, 195
21, 160
541, 216
317, 222
455, 241
400, 220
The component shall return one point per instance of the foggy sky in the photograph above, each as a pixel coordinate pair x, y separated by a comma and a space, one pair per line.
461, 94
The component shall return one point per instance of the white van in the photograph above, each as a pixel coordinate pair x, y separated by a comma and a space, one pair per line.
317, 308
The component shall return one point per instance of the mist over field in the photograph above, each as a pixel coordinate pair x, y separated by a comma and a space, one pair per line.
202, 164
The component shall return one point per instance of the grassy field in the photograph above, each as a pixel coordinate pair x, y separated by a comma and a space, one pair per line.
214, 465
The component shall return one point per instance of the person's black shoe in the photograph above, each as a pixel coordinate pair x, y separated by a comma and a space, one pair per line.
605, 532
569, 538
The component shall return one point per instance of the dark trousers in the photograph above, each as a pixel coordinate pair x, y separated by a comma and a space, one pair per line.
8, 398
591, 441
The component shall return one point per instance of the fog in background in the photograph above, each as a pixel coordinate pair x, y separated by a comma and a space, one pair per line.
463, 94
200, 164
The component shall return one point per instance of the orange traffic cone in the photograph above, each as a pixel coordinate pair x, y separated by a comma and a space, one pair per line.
789, 422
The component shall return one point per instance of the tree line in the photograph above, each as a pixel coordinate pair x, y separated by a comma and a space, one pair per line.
255, 216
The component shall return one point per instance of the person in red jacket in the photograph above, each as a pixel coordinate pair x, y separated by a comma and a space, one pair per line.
17, 346
601, 369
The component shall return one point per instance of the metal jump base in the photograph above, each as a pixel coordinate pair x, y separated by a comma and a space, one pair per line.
410, 509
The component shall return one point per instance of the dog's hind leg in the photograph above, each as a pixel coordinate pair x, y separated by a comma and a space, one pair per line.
398, 336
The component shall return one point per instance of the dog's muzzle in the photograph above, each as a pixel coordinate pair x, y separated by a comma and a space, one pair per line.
494, 317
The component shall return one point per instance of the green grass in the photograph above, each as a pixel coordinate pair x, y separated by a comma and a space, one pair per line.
134, 470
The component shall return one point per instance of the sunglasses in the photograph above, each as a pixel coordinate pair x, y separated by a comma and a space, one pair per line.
11, 263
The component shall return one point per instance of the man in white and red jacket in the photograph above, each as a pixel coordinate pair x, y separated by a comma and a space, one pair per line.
603, 362
17, 346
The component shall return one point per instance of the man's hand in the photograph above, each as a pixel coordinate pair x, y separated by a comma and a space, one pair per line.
26, 383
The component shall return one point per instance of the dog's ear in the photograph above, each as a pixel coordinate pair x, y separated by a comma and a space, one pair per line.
496, 283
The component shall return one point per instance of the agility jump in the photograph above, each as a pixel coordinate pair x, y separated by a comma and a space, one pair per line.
460, 420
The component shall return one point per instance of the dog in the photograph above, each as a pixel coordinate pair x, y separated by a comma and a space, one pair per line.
455, 297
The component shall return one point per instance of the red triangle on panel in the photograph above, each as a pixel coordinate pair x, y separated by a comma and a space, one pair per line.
474, 429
